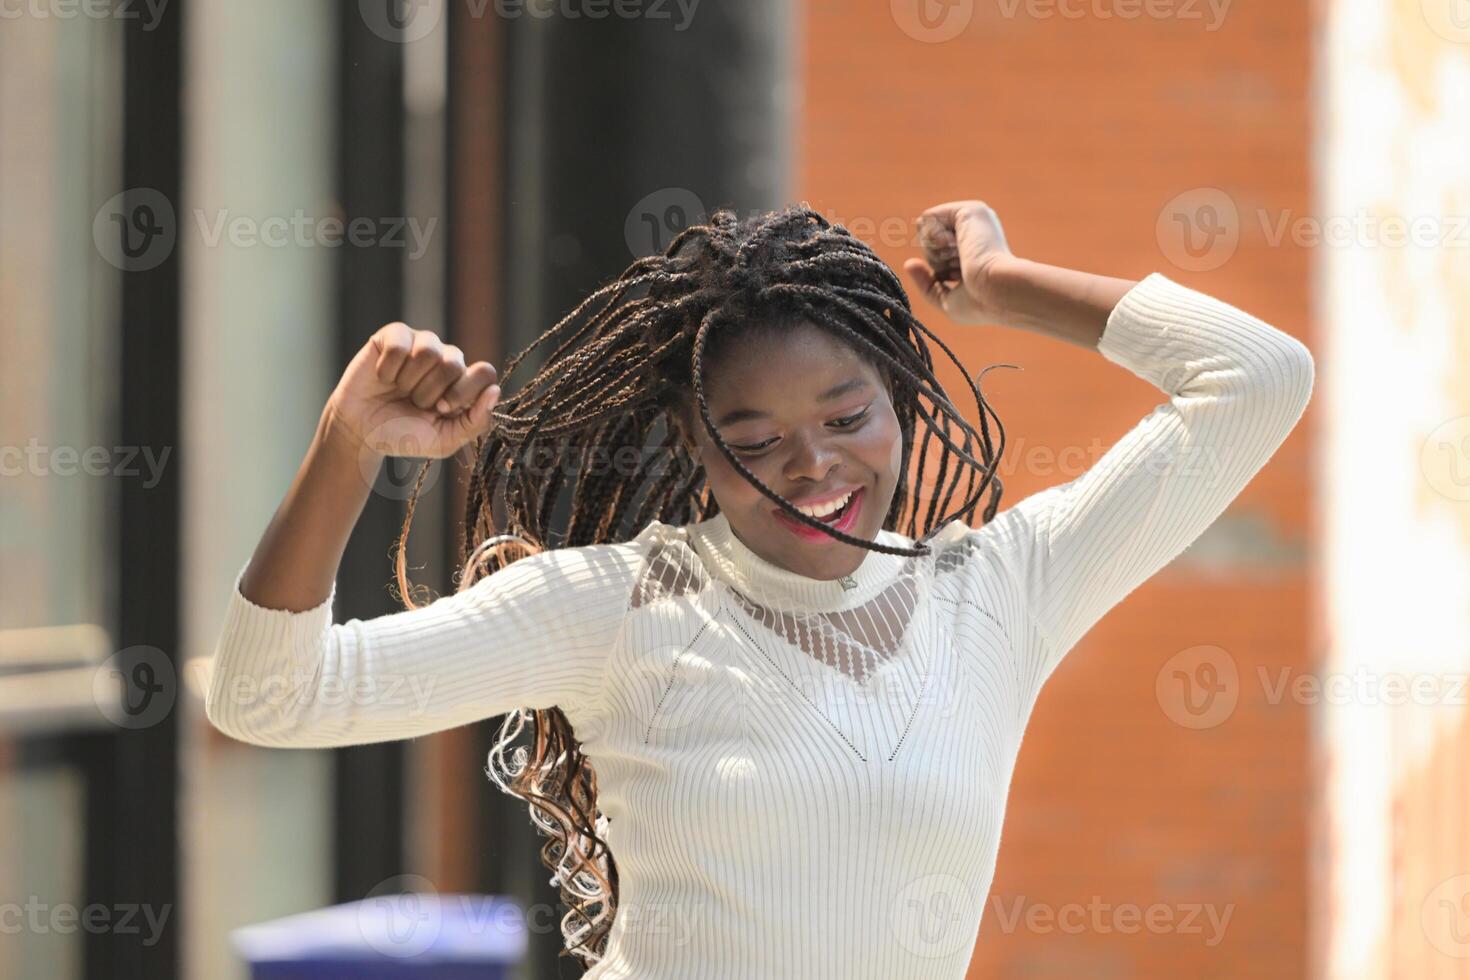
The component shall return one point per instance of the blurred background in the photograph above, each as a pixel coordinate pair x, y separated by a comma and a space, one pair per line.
1257, 765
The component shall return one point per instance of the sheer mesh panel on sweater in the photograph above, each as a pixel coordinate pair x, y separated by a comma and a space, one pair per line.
856, 641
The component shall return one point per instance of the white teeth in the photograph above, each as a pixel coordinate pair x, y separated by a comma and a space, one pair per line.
821, 510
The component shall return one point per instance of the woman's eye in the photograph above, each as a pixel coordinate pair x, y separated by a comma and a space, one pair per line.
846, 422
849, 420
751, 449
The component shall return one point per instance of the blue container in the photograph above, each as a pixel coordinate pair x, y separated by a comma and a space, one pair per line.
412, 935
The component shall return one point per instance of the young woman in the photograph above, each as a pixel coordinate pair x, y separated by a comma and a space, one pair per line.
775, 679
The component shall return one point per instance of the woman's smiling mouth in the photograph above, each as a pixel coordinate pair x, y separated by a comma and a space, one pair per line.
839, 511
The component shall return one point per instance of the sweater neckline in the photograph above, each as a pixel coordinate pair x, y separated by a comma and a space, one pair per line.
734, 562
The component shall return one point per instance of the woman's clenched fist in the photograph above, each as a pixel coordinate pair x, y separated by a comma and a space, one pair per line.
408, 393
963, 245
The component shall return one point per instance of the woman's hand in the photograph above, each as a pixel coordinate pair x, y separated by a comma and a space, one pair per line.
407, 393
963, 244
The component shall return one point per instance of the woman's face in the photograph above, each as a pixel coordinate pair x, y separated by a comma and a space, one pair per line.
813, 421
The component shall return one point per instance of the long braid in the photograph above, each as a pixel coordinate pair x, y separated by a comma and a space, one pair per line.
598, 427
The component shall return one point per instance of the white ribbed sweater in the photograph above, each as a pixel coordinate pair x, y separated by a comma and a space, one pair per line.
770, 814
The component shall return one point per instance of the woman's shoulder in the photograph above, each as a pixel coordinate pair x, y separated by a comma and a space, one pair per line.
670, 565
601, 566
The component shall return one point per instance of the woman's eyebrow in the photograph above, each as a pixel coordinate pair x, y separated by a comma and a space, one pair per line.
832, 393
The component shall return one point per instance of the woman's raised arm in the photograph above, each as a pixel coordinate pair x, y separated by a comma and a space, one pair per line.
534, 634
1236, 387
405, 392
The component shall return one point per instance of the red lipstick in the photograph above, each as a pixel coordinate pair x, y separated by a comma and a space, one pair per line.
844, 522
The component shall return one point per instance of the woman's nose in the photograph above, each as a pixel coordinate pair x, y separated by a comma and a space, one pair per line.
811, 458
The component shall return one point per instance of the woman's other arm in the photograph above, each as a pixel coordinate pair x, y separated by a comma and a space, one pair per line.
1235, 386
403, 382
534, 634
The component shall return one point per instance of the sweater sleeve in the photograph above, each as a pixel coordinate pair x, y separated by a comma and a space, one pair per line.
536, 633
1236, 387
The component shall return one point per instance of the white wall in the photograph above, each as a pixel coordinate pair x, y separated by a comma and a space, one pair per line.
1394, 480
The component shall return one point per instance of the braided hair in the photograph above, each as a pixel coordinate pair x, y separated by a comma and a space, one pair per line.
595, 446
